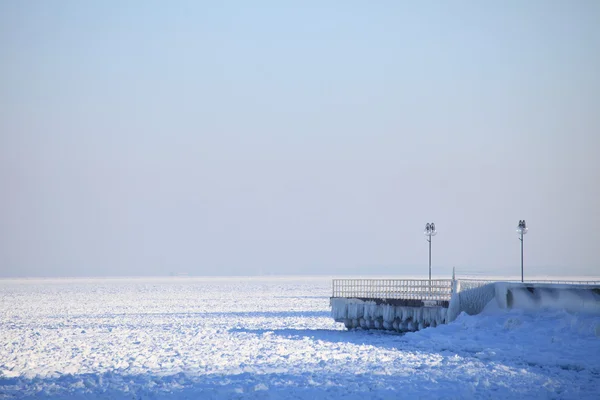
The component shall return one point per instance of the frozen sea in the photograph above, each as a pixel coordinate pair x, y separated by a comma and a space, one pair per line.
271, 338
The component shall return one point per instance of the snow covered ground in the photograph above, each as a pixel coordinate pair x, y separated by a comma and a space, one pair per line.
271, 338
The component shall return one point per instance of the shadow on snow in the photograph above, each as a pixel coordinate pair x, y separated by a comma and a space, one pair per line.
379, 338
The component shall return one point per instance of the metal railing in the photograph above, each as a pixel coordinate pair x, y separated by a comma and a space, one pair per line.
409, 289
418, 289
466, 284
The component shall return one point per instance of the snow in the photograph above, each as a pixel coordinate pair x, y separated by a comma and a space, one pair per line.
273, 338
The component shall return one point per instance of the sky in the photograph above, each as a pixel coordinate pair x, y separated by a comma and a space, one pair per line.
268, 137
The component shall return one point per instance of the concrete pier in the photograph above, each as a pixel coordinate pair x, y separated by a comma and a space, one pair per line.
410, 305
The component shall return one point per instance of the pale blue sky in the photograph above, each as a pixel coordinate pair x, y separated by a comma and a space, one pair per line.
143, 138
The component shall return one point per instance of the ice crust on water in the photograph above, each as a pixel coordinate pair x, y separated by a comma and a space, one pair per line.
273, 338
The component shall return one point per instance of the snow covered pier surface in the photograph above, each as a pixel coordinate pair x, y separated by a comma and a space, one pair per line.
410, 305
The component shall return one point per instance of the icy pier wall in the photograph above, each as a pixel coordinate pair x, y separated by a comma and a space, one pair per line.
372, 314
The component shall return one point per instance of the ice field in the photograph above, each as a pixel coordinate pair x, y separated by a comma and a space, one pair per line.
271, 338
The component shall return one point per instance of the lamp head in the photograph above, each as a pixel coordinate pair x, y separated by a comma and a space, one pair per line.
522, 227
430, 229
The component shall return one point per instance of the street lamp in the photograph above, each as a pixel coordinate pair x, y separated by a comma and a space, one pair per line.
521, 230
429, 232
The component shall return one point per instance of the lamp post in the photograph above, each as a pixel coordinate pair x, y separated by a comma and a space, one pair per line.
521, 230
429, 232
